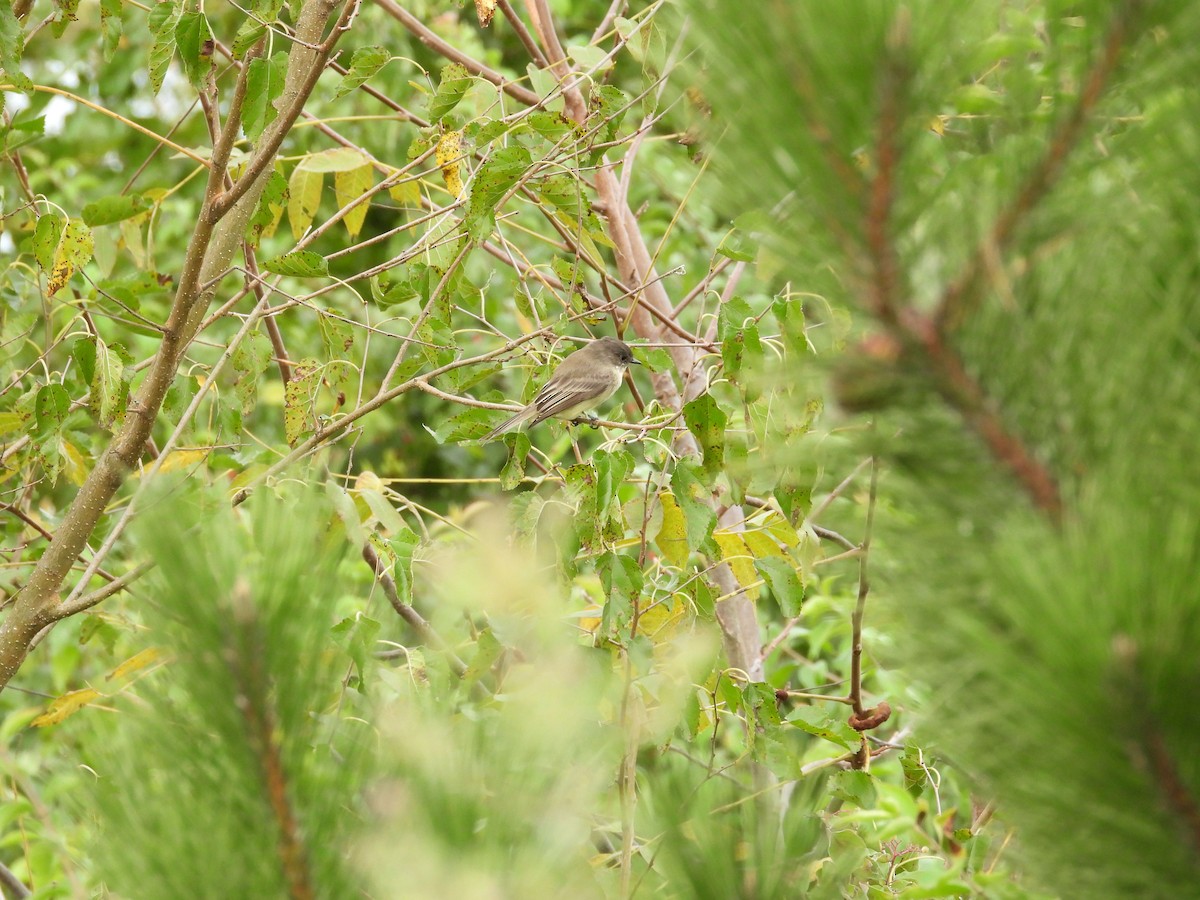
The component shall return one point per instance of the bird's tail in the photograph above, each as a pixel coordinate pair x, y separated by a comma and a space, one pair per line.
509, 424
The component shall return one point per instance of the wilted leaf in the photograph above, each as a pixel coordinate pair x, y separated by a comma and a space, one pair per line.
449, 160
67, 705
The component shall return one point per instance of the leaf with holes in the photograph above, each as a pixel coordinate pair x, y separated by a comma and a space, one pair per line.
74, 250
299, 401
250, 360
706, 420
495, 178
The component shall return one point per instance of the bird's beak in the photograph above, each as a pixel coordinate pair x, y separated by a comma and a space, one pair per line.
635, 362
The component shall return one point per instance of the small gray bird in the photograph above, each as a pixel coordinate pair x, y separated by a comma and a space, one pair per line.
583, 380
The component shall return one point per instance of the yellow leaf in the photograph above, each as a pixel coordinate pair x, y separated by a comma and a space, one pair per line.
782, 529
76, 467
66, 705
449, 155
735, 552
181, 459
660, 621
671, 539
348, 187
304, 196
135, 662
407, 193
762, 544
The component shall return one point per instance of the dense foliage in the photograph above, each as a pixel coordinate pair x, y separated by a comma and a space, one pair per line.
874, 579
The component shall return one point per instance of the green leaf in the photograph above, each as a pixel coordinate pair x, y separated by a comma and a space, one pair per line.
365, 62
487, 650
706, 420
269, 209
496, 176
194, 38
855, 786
514, 470
453, 85
336, 334
250, 360
403, 545
609, 105
622, 582
789, 314
68, 12
553, 126
84, 353
12, 45
46, 236
783, 579
733, 246
108, 210
162, 20
299, 264
73, 251
51, 408
356, 635
820, 724
111, 26
249, 33
109, 384
299, 415
264, 84
693, 499
580, 482
469, 425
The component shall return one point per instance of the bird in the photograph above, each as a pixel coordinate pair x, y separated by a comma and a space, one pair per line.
585, 379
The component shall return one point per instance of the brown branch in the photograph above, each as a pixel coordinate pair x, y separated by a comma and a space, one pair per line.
861, 716
423, 629
960, 293
441, 47
535, 52
276, 337
860, 608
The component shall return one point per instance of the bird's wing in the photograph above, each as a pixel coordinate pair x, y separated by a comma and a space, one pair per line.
561, 394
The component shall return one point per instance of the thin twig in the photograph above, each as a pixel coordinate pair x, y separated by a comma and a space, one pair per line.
407, 612
860, 607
